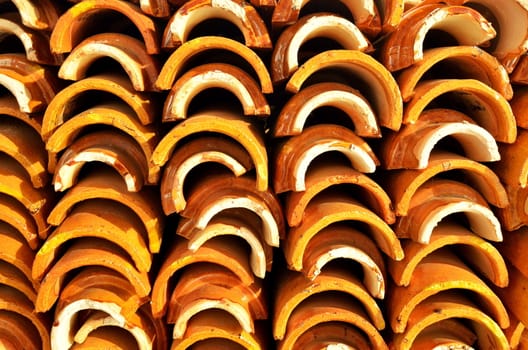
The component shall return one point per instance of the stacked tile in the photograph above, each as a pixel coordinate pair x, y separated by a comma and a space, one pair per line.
93, 267
215, 178
25, 195
335, 211
443, 190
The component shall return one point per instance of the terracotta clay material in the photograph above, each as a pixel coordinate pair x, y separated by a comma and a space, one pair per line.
213, 148
513, 167
71, 25
175, 63
515, 333
446, 334
325, 176
379, 81
513, 248
520, 72
215, 329
15, 183
12, 276
481, 255
68, 100
324, 212
466, 61
214, 75
436, 273
141, 68
113, 338
402, 185
294, 290
9, 109
436, 200
15, 214
484, 105
238, 224
451, 305
297, 153
339, 241
33, 85
22, 143
284, 60
404, 46
110, 115
220, 252
323, 308
96, 218
35, 42
295, 113
364, 14
18, 332
107, 299
221, 122
241, 14
20, 313
89, 251
109, 185
110, 147
512, 295
217, 193
412, 145
155, 8
333, 334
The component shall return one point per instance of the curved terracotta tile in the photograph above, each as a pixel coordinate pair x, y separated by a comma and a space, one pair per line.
298, 109
115, 223
241, 14
447, 306
404, 46
34, 86
510, 44
70, 28
435, 200
462, 61
117, 116
294, 156
515, 333
9, 109
412, 145
446, 334
284, 60
341, 242
17, 332
22, 143
220, 122
439, 272
109, 185
324, 308
214, 75
208, 148
520, 72
391, 12
142, 69
14, 213
113, 338
513, 167
89, 251
266, 4
364, 14
65, 102
219, 252
107, 299
41, 15
11, 276
295, 289
214, 329
223, 192
15, 183
483, 104
322, 212
513, 246
402, 185
339, 335
175, 63
513, 294
322, 177
238, 224
15, 303
481, 255
519, 103
156, 8
109, 147
387, 99
210, 281
35, 42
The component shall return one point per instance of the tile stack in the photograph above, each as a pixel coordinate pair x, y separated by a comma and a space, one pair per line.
227, 174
